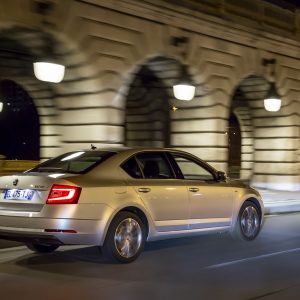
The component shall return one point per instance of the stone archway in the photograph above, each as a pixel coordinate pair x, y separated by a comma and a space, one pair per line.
234, 143
269, 140
149, 103
147, 111
27, 100
19, 48
247, 99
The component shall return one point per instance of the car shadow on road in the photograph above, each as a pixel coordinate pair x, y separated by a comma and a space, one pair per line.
158, 257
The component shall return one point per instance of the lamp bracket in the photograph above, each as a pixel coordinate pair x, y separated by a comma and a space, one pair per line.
178, 41
181, 44
266, 62
43, 8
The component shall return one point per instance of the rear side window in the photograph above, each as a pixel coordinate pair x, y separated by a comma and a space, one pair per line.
132, 168
73, 162
155, 165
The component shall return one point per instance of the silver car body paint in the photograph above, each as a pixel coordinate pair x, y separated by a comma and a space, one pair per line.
173, 207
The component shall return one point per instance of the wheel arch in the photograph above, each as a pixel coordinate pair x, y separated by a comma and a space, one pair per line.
236, 230
254, 200
133, 208
137, 211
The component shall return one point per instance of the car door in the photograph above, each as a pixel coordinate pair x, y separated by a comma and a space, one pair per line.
211, 202
165, 197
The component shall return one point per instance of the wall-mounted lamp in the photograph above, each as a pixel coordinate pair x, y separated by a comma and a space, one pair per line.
272, 101
47, 69
1, 106
184, 88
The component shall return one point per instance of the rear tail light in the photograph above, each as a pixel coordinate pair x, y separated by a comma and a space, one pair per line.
64, 194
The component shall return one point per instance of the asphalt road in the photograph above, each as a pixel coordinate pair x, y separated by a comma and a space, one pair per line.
205, 267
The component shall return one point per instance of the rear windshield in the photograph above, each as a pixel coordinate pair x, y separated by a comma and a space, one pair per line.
78, 162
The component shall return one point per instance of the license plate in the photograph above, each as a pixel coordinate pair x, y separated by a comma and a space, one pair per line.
15, 194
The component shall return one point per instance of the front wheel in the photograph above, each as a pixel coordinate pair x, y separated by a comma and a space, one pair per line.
125, 239
41, 248
248, 222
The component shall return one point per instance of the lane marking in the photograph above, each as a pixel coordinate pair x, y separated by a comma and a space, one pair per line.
8, 258
234, 262
10, 249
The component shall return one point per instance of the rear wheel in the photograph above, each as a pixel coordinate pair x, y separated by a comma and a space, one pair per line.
125, 239
248, 222
41, 248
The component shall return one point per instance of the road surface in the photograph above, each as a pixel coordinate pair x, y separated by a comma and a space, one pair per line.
204, 267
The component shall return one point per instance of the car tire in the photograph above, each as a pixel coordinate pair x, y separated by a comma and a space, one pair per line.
125, 238
41, 248
248, 223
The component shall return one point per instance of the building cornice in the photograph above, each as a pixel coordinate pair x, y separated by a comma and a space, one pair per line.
199, 23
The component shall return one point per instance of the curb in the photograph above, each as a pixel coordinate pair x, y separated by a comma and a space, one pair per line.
279, 208
277, 202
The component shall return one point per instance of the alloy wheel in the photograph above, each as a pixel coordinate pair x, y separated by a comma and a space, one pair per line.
128, 237
250, 222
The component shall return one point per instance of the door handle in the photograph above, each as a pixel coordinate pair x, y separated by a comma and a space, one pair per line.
193, 189
144, 190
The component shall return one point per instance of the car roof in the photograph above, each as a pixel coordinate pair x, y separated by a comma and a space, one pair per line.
126, 152
119, 149
133, 150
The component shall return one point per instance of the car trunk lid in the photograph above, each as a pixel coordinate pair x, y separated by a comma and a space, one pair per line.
27, 192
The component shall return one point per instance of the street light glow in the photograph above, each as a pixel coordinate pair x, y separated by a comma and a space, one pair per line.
49, 72
184, 91
272, 104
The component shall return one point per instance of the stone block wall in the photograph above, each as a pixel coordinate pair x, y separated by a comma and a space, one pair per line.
105, 43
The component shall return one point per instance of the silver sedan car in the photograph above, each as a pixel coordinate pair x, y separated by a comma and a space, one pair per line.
119, 198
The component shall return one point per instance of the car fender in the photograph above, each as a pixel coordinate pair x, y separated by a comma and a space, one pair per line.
243, 196
122, 207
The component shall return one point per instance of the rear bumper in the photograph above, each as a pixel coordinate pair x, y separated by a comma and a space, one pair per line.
85, 232
21, 229
29, 237
85, 224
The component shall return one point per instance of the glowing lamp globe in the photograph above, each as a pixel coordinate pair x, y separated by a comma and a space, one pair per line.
272, 102
50, 72
184, 92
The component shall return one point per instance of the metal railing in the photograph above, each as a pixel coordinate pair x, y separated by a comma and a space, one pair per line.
8, 167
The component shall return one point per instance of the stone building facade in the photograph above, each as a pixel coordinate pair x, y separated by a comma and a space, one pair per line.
121, 63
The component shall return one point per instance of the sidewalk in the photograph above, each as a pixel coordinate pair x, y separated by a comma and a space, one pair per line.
280, 201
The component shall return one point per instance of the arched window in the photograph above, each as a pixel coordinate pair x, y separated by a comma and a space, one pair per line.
19, 123
147, 120
234, 142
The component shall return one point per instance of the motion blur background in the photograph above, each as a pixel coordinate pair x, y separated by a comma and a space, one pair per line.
122, 58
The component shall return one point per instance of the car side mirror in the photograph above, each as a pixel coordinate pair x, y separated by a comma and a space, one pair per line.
221, 176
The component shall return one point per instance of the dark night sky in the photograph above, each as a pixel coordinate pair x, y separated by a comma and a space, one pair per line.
288, 4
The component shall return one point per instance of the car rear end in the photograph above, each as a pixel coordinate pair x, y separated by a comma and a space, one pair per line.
50, 208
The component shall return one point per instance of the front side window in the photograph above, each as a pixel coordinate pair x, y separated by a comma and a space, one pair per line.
73, 162
154, 165
192, 170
